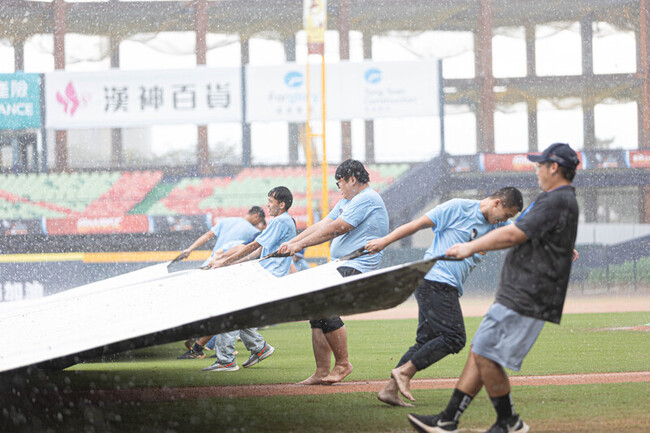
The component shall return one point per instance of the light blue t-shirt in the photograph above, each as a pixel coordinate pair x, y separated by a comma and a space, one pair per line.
367, 213
456, 221
280, 229
230, 230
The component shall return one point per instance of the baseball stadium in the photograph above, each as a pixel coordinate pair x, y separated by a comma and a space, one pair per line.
325, 216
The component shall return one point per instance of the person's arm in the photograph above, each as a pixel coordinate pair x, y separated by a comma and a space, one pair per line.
252, 256
499, 239
234, 254
325, 232
197, 243
376, 245
284, 248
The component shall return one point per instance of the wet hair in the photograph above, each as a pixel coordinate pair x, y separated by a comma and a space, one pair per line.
256, 210
352, 168
283, 195
565, 172
510, 197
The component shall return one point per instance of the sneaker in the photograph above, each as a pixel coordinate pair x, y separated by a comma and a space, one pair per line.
222, 367
432, 424
266, 351
512, 424
192, 354
189, 343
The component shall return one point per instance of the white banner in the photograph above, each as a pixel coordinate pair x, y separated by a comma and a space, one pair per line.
118, 98
367, 90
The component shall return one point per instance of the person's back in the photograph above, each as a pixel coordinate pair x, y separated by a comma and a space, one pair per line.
233, 229
535, 274
456, 220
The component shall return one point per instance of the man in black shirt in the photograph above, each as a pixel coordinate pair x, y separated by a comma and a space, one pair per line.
531, 291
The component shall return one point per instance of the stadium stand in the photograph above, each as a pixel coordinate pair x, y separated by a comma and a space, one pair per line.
127, 191
113, 194
233, 196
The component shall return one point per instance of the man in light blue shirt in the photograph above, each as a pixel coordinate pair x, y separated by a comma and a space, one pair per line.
441, 330
279, 230
227, 230
356, 219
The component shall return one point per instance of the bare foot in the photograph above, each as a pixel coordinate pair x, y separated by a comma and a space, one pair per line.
339, 373
403, 383
312, 380
392, 399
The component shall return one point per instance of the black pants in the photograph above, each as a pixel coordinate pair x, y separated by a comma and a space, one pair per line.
333, 323
441, 329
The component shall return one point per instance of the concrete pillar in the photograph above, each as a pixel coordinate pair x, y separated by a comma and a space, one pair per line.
294, 128
644, 72
19, 54
369, 124
61, 145
201, 27
117, 146
588, 120
484, 78
344, 54
531, 71
591, 204
644, 208
246, 127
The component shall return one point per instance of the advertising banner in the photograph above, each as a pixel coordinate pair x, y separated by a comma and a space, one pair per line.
178, 223
604, 158
364, 90
513, 162
506, 162
638, 159
20, 101
11, 227
463, 163
87, 226
119, 98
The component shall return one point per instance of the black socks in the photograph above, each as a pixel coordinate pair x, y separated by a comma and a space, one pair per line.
504, 406
456, 406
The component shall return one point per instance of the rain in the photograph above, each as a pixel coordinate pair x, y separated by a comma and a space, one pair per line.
130, 129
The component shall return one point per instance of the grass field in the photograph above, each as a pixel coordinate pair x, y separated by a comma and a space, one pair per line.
577, 346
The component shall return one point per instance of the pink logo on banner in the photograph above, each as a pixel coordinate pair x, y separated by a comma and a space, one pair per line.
70, 100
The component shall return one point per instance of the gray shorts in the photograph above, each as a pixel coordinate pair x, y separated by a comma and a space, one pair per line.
505, 336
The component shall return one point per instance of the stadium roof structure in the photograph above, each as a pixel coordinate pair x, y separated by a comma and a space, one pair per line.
281, 19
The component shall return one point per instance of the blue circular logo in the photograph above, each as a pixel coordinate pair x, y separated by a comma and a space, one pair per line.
293, 79
373, 76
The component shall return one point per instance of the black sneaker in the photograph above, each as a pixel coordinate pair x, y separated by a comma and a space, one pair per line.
512, 424
432, 424
189, 343
192, 354
266, 351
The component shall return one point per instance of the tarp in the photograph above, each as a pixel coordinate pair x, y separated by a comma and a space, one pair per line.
152, 306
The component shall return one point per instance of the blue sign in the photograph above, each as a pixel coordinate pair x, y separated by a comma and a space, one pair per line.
20, 101
373, 75
293, 79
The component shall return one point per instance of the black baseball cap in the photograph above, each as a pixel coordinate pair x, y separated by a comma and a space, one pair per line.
558, 152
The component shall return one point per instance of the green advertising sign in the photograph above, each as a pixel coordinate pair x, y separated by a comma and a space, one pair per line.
20, 101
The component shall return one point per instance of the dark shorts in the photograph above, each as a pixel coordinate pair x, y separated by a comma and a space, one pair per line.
333, 323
